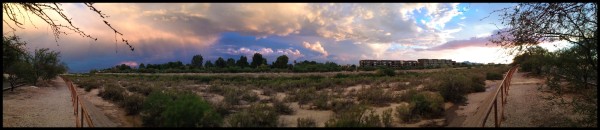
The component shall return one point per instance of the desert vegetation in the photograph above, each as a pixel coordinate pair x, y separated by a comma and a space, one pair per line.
259, 101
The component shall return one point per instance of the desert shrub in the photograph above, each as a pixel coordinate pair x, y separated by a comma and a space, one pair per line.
144, 89
258, 115
353, 117
306, 122
406, 96
320, 102
176, 109
112, 92
304, 96
375, 96
133, 104
493, 76
384, 71
454, 87
427, 104
386, 117
190, 110
339, 105
404, 114
478, 84
282, 108
218, 89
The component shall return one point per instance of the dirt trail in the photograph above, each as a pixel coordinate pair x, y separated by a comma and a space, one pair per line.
38, 106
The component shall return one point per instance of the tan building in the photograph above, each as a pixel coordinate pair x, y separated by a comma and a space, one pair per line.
399, 63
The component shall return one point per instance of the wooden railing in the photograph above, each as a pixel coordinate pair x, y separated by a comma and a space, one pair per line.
496, 98
501, 94
80, 111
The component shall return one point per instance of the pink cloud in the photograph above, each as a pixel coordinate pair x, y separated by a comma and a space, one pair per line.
129, 63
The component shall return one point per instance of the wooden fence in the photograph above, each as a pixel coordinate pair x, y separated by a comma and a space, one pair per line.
80, 112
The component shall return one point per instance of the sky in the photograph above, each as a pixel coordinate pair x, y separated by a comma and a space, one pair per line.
340, 32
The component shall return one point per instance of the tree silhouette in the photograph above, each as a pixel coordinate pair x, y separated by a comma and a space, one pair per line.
42, 11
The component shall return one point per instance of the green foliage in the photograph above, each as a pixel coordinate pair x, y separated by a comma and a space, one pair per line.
478, 84
242, 62
355, 116
220, 63
404, 113
209, 64
386, 117
340, 105
230, 62
282, 107
306, 122
172, 109
375, 96
493, 76
189, 110
385, 71
133, 103
281, 62
258, 115
427, 104
196, 61
47, 64
257, 60
453, 88
112, 92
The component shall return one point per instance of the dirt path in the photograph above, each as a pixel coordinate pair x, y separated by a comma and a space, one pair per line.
38, 106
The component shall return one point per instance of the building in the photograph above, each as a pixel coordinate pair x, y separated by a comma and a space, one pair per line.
388, 63
435, 62
400, 63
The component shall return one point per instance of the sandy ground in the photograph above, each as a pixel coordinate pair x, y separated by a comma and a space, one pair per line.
459, 114
38, 106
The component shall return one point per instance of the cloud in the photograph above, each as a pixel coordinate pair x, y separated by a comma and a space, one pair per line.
290, 52
315, 47
456, 44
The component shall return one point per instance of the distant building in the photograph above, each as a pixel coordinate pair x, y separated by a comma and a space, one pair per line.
436, 62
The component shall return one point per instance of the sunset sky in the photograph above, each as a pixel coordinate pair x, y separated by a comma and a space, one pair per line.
341, 32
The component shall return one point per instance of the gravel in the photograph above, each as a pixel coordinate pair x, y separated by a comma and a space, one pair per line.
38, 106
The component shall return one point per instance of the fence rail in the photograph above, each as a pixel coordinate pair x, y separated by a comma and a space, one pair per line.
500, 94
80, 112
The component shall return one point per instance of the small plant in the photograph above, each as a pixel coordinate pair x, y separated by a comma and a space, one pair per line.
306, 122
282, 108
386, 117
258, 115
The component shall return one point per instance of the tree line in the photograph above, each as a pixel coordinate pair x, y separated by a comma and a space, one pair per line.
24, 67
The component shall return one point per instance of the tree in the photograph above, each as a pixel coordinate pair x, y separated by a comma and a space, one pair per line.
230, 62
47, 64
44, 11
208, 64
197, 61
142, 66
257, 59
243, 62
220, 63
529, 24
281, 62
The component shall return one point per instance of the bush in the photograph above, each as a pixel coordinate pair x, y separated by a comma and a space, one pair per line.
321, 101
339, 105
493, 76
403, 112
427, 104
353, 117
386, 118
282, 108
375, 96
306, 122
454, 87
112, 92
178, 110
133, 104
189, 110
258, 115
478, 84
384, 71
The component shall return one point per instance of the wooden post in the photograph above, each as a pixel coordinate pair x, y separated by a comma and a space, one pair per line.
496, 113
